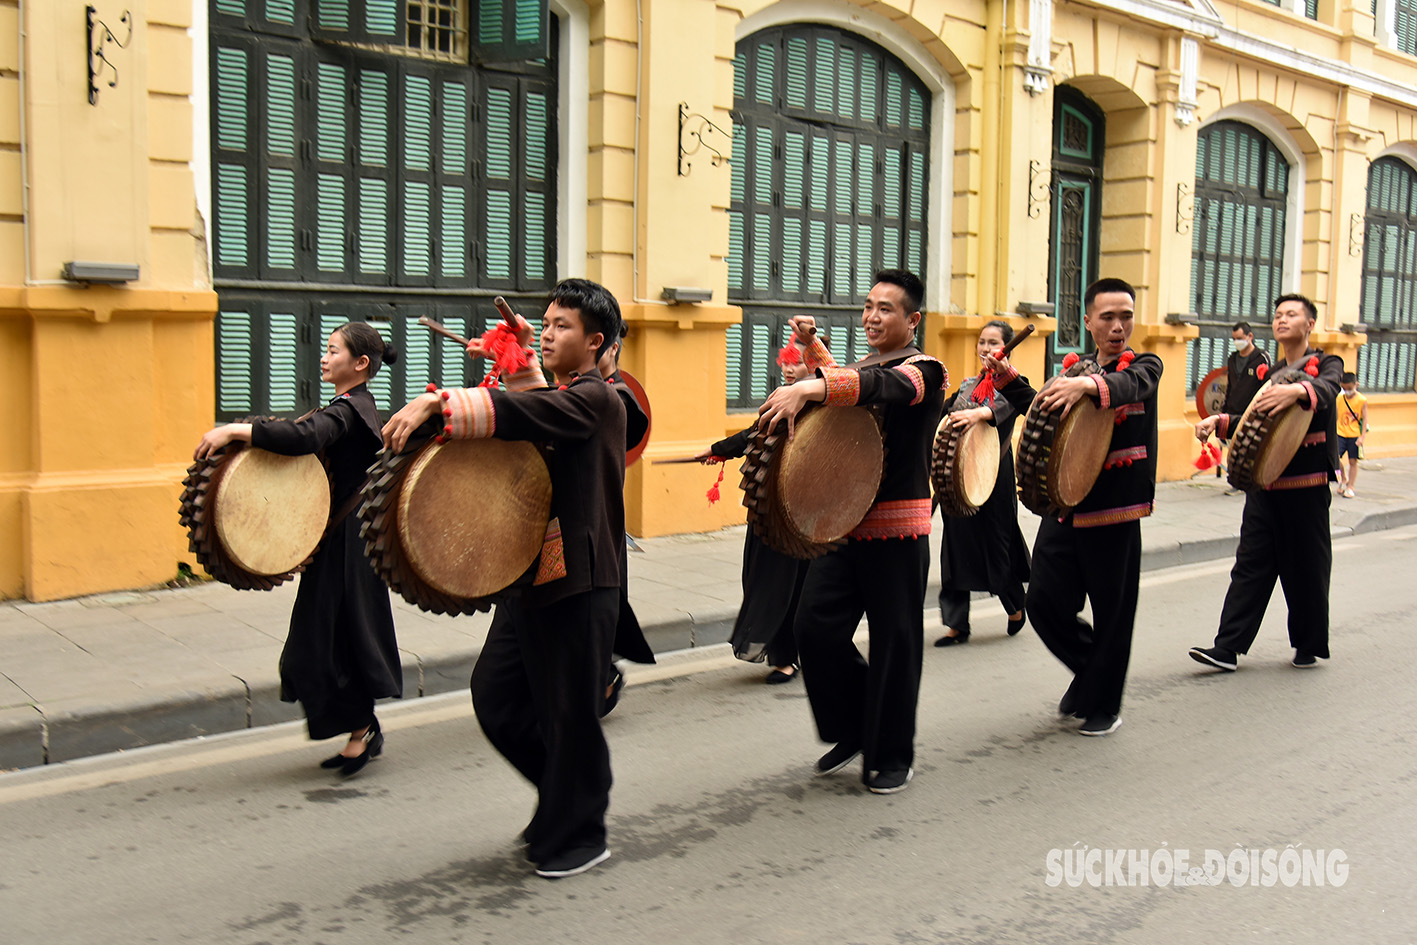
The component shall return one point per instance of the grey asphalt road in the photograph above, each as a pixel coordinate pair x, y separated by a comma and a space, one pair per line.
1015, 829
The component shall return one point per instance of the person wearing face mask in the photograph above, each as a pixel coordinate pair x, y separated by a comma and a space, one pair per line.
1243, 377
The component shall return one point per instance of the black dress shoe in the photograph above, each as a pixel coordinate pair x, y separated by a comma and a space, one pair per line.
373, 740
838, 758
1016, 625
329, 764
777, 677
961, 636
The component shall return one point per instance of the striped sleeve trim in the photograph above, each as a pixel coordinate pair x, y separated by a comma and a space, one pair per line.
1222, 427
1313, 397
816, 355
529, 377
471, 414
843, 386
1314, 439
917, 380
1006, 377
1104, 396
894, 518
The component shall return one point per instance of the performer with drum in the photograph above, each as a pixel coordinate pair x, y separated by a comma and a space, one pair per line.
1094, 550
868, 708
984, 551
340, 654
539, 683
772, 581
1285, 530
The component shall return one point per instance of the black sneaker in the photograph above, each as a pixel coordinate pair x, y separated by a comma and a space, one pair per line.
889, 782
1101, 725
836, 759
573, 863
1304, 660
1215, 656
1068, 705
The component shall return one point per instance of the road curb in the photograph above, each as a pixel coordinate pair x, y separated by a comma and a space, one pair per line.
34, 734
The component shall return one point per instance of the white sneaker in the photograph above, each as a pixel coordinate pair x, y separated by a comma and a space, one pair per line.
1348, 493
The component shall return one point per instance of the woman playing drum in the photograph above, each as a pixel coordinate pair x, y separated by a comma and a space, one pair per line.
340, 654
986, 551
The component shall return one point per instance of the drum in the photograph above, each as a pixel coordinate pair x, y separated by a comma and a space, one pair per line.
1059, 459
255, 518
803, 497
964, 467
447, 525
1261, 445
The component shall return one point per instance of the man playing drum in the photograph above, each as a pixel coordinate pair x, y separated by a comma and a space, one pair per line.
1095, 550
868, 708
539, 684
1284, 533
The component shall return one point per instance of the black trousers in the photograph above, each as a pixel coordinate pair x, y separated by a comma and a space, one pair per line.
1284, 534
855, 700
954, 604
537, 688
1103, 566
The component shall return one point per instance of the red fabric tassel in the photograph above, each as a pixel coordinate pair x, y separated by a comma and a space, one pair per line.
1261, 371
1209, 457
713, 495
1125, 360
1312, 368
504, 351
1071, 359
789, 355
983, 392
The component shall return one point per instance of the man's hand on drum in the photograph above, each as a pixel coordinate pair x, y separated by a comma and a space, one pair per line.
1063, 392
1206, 427
1280, 396
963, 419
787, 402
805, 327
411, 417
223, 435
708, 458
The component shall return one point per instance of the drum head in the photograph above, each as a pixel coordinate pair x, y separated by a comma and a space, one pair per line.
271, 510
977, 463
1081, 445
1263, 446
472, 514
836, 445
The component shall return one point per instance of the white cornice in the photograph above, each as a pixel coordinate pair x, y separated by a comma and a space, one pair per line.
1201, 18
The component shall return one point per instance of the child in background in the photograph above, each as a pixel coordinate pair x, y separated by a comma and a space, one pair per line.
1352, 419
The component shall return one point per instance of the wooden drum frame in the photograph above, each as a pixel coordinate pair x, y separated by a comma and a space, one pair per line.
1060, 458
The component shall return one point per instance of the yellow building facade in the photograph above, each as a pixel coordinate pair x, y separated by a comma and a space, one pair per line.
764, 155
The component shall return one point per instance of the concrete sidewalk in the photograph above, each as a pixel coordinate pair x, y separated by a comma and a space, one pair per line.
117, 671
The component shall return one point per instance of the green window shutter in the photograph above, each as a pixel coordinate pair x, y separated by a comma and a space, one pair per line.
537, 130
510, 30
498, 235
417, 231
764, 74
375, 22
740, 75
280, 157
825, 63
794, 170
797, 81
375, 170
762, 254
452, 358
272, 17
760, 346
868, 107
733, 365
416, 357
329, 321
233, 362
846, 82
283, 362
234, 184
735, 251
790, 276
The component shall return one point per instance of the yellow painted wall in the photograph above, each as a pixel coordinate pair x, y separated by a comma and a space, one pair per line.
106, 387
88, 485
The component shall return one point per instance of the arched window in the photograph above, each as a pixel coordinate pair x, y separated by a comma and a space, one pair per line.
1388, 305
830, 178
374, 160
1237, 239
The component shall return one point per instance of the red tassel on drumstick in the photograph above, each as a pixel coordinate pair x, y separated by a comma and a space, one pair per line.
983, 392
1209, 457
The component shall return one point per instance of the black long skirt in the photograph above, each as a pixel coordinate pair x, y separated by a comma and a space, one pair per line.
341, 653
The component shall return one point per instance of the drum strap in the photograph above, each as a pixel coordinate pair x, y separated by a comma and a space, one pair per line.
349, 505
883, 358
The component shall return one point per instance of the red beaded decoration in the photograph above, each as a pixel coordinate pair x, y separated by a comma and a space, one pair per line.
431, 388
1125, 361
1070, 360
1261, 371
1312, 368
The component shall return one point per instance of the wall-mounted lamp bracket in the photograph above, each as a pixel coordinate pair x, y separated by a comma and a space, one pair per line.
98, 36
1040, 188
1185, 214
692, 128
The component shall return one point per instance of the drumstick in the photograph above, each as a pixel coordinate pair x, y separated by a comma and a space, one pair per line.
1023, 333
677, 459
508, 316
438, 329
